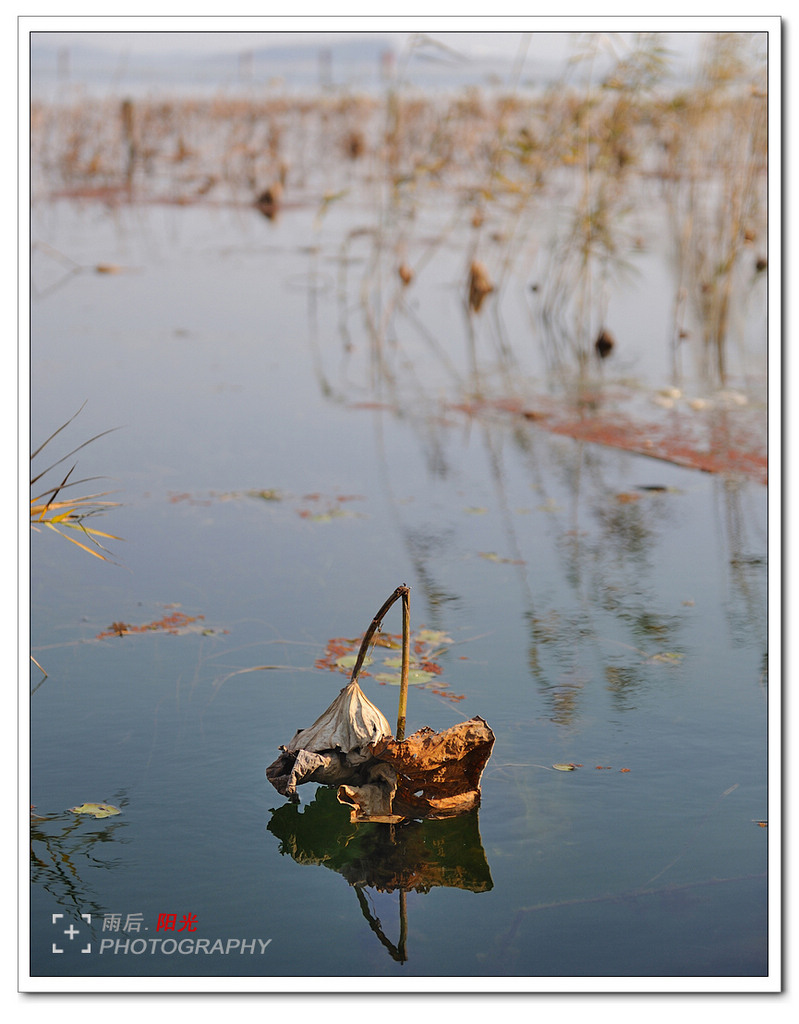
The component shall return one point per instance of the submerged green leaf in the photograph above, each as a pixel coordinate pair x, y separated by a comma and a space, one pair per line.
416, 677
348, 661
492, 556
670, 657
269, 494
434, 637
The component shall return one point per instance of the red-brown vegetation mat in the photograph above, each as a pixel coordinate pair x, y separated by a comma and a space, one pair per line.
713, 440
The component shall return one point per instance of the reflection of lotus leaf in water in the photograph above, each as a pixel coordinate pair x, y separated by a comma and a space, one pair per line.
417, 856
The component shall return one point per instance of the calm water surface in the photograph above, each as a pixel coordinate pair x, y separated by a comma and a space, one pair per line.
593, 620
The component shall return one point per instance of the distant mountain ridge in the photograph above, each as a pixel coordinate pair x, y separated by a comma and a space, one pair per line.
326, 61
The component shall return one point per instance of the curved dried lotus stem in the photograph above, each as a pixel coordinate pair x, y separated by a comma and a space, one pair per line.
374, 627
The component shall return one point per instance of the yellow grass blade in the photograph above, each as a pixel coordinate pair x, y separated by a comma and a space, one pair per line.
74, 540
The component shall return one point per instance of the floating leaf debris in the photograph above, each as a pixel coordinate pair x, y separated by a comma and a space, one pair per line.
427, 645
174, 624
96, 810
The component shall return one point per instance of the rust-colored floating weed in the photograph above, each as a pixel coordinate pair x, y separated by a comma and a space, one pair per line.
174, 624
727, 439
424, 669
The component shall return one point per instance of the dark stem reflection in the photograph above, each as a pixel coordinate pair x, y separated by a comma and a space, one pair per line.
414, 857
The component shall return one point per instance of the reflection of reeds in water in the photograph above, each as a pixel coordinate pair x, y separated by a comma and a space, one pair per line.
605, 138
597, 149
715, 141
485, 170
63, 850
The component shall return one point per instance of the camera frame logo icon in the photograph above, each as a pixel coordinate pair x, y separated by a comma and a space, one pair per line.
72, 932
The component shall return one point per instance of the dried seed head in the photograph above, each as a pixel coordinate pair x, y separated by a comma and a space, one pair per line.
479, 285
268, 202
604, 344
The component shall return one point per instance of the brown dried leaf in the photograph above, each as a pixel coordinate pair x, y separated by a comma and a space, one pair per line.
438, 773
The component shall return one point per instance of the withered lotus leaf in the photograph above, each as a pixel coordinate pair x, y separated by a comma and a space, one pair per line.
293, 768
437, 774
373, 801
429, 775
334, 749
350, 724
350, 746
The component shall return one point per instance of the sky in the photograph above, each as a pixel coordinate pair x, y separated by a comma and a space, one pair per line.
544, 41
224, 40
470, 35
135, 58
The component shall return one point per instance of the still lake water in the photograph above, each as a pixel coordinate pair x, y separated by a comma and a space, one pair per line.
276, 480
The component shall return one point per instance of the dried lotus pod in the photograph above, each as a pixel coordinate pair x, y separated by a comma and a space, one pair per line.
604, 343
269, 201
355, 144
405, 273
479, 285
